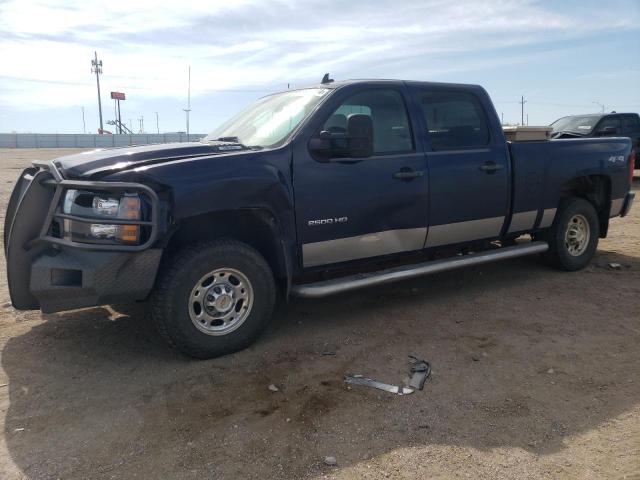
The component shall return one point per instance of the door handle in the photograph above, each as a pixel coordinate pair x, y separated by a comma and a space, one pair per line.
490, 167
407, 174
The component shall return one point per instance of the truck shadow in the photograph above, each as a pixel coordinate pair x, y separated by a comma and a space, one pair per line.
523, 356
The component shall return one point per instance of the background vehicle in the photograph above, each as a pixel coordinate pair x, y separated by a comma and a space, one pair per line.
600, 125
301, 193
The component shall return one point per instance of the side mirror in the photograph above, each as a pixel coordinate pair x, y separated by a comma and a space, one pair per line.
360, 135
320, 146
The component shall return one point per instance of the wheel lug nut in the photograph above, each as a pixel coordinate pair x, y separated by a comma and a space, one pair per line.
210, 298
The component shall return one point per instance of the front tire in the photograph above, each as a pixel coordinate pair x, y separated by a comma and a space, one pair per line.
573, 237
213, 298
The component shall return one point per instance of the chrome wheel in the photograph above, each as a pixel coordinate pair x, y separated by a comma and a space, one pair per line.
221, 301
576, 238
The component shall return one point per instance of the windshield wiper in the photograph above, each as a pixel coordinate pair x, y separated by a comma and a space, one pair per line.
228, 139
232, 139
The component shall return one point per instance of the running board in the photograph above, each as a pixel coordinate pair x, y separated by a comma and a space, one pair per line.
353, 282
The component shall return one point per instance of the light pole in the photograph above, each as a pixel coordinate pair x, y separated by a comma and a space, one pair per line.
601, 105
157, 123
84, 125
96, 67
188, 109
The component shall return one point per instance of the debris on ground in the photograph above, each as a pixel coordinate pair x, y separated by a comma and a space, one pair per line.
615, 266
420, 370
550, 371
369, 382
273, 388
331, 461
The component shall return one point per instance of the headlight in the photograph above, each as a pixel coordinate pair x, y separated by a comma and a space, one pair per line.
126, 206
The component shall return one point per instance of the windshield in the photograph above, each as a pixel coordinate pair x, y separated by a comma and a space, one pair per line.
580, 125
270, 120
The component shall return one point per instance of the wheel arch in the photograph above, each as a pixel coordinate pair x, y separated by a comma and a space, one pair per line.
596, 189
257, 227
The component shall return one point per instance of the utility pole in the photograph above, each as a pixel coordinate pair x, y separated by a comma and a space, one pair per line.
141, 120
84, 125
601, 105
96, 67
522, 102
157, 123
188, 109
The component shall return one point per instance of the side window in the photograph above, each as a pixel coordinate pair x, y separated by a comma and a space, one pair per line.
454, 120
630, 124
609, 123
391, 130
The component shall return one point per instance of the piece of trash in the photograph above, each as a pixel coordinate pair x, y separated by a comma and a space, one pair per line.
420, 370
369, 382
18, 429
550, 370
331, 461
615, 266
3, 385
328, 354
273, 388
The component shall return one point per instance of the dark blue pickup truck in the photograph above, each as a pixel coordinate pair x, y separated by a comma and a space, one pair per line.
307, 192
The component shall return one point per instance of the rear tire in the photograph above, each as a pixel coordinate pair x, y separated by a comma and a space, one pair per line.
213, 298
573, 237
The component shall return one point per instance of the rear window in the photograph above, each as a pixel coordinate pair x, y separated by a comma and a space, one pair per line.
454, 120
630, 123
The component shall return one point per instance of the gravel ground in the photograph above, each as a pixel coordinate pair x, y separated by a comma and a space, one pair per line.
536, 374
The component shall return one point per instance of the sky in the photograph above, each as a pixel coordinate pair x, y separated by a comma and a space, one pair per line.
565, 57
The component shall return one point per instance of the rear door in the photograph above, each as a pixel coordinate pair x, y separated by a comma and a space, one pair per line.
469, 170
357, 208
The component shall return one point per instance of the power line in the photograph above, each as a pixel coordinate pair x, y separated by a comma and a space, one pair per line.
522, 102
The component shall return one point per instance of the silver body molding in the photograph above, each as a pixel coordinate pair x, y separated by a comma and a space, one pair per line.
616, 206
547, 218
363, 246
523, 221
345, 284
459, 232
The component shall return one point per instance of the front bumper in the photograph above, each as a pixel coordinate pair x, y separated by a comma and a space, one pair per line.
64, 279
53, 274
628, 203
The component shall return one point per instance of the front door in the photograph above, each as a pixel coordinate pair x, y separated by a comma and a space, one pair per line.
355, 208
468, 165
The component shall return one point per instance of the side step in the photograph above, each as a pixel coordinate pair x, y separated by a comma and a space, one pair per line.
353, 282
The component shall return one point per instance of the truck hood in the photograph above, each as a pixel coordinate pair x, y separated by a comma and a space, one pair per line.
95, 163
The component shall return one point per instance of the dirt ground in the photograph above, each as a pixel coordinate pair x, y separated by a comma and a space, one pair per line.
536, 374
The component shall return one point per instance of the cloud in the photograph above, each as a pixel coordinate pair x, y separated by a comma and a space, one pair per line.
146, 46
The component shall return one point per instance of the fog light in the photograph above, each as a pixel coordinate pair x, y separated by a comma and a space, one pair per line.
99, 230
